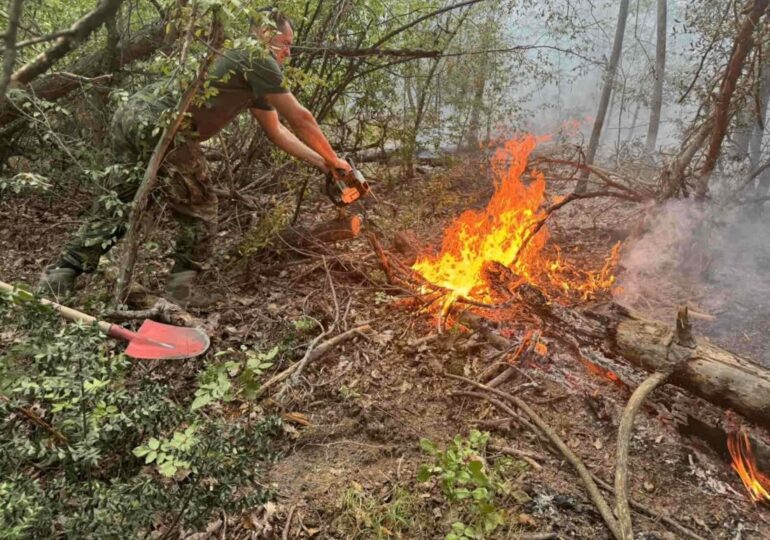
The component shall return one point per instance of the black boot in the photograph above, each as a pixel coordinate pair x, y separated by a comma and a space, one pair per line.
57, 281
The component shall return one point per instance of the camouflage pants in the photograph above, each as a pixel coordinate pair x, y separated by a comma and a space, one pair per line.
184, 180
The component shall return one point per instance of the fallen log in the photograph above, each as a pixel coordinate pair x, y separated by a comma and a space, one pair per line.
710, 372
338, 229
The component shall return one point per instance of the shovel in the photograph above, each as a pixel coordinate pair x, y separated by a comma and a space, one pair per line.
153, 341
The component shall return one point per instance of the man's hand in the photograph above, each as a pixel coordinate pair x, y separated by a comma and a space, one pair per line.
338, 165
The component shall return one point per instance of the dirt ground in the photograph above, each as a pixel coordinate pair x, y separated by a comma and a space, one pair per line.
354, 422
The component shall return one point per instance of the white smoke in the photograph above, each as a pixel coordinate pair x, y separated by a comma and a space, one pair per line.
714, 259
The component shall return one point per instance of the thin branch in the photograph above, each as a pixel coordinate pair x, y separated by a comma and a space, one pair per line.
35, 419
418, 20
81, 30
651, 513
312, 353
41, 39
585, 475
625, 430
350, 52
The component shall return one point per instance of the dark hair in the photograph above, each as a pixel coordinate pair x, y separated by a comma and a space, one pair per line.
274, 15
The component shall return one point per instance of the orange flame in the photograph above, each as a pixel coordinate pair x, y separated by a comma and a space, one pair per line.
757, 483
506, 232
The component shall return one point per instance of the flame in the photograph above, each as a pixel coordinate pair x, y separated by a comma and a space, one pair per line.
757, 483
509, 232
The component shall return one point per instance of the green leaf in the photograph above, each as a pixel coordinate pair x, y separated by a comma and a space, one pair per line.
140, 451
153, 444
480, 494
461, 494
269, 355
423, 474
428, 446
168, 469
151, 457
200, 401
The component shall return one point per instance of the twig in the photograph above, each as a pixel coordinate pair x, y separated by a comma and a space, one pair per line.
334, 292
287, 527
624, 441
502, 406
382, 257
162, 311
649, 512
585, 475
601, 174
35, 419
312, 353
526, 456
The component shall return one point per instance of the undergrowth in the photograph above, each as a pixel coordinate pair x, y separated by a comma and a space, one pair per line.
92, 447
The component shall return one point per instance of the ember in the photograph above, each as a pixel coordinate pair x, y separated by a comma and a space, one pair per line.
506, 232
757, 483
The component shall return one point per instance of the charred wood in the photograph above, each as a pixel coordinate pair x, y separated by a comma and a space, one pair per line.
714, 374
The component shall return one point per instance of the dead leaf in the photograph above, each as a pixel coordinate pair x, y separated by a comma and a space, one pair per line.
521, 496
526, 519
598, 444
649, 486
297, 418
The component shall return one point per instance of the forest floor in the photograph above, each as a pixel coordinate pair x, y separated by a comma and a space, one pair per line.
353, 425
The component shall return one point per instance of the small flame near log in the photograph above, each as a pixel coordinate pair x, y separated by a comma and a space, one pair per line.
509, 232
744, 463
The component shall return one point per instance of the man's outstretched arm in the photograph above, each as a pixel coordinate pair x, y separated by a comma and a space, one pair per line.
306, 128
286, 140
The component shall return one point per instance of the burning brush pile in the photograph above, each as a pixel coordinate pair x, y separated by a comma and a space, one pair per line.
508, 242
500, 263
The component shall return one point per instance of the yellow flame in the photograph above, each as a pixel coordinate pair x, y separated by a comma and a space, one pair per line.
504, 233
757, 483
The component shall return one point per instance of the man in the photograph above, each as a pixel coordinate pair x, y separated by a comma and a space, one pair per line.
243, 80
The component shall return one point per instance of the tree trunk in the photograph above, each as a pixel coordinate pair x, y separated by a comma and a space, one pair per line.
741, 46
656, 104
9, 39
422, 99
755, 146
609, 80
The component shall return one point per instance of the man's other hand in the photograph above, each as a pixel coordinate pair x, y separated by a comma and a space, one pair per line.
340, 165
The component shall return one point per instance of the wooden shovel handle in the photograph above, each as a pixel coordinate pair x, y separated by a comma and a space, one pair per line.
67, 313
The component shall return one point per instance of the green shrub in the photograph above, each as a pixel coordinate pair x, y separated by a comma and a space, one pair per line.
75, 418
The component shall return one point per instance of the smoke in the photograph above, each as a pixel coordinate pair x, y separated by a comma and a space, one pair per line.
715, 260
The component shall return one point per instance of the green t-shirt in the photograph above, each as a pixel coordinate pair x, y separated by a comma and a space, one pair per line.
242, 79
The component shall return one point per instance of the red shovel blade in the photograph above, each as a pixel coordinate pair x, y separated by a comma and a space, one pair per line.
156, 340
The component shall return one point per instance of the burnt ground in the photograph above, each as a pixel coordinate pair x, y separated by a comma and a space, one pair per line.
353, 425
